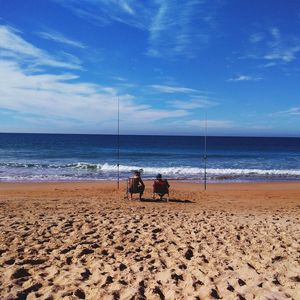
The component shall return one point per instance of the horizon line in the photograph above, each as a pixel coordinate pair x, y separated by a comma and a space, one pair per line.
148, 134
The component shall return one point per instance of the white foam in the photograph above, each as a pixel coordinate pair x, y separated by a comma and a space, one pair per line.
176, 171
184, 170
249, 172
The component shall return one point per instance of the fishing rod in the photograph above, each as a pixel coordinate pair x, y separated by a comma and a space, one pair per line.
118, 145
205, 152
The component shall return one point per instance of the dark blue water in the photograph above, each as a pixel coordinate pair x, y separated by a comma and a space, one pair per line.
52, 157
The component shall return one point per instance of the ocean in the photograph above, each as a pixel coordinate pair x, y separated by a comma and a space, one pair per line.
66, 157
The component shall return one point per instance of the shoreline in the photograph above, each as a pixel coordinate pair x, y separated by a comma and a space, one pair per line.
266, 194
176, 185
150, 181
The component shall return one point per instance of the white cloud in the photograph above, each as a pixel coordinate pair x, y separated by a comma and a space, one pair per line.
275, 32
194, 103
282, 48
103, 12
269, 64
169, 89
274, 47
15, 47
59, 38
294, 111
126, 7
244, 78
283, 54
173, 31
211, 123
42, 97
172, 25
256, 37
59, 98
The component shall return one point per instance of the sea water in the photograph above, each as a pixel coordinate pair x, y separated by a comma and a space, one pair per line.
66, 157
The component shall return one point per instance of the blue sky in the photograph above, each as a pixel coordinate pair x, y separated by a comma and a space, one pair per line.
65, 63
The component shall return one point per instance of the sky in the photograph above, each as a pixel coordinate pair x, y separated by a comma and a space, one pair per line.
173, 66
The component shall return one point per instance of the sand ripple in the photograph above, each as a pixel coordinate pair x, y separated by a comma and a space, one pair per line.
101, 247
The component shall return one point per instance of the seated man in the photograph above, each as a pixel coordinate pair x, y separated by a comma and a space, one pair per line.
136, 185
160, 187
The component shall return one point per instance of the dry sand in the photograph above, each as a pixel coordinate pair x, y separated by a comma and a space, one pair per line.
83, 240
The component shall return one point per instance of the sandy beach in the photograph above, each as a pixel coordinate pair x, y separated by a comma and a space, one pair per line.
85, 241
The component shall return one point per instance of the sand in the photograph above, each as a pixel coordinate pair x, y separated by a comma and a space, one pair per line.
85, 241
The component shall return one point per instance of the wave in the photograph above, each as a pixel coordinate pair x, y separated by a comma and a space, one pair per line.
151, 170
186, 170
24, 165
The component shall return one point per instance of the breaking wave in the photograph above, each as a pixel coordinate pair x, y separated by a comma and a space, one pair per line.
13, 171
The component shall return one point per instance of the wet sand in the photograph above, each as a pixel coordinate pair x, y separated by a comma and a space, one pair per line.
85, 241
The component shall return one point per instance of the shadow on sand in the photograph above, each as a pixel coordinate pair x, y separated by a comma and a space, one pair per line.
163, 201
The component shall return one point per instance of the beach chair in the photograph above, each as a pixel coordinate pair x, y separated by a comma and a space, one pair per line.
134, 186
161, 188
